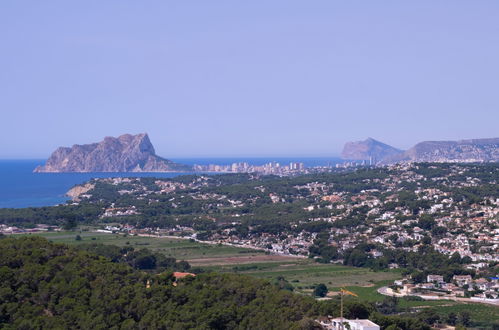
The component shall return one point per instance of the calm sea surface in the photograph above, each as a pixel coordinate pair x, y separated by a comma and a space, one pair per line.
20, 187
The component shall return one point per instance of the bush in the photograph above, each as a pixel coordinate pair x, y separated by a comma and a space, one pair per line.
320, 290
413, 298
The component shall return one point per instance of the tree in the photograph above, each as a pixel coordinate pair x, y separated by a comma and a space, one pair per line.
388, 305
451, 318
392, 327
96, 293
145, 262
464, 318
439, 231
70, 223
78, 238
426, 240
428, 316
426, 222
283, 284
320, 290
455, 258
466, 260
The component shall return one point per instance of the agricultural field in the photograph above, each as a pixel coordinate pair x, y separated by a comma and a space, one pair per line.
305, 274
302, 273
197, 254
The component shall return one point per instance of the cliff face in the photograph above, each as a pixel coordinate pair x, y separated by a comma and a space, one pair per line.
369, 149
79, 190
127, 153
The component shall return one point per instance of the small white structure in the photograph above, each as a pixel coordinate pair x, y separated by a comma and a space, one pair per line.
344, 324
435, 279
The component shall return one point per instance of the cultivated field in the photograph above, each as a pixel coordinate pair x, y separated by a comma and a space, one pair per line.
302, 273
305, 274
182, 249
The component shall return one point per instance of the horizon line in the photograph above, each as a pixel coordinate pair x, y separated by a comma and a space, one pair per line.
199, 157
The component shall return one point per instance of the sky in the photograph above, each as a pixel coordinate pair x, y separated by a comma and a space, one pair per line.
246, 78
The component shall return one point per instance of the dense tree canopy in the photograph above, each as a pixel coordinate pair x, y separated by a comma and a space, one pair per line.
45, 285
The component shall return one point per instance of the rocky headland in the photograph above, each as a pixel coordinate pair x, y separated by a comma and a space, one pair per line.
126, 153
369, 149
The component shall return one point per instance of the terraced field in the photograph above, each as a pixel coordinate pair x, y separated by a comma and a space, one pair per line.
303, 274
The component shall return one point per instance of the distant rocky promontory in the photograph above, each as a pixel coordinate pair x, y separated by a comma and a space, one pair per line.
369, 149
126, 153
463, 151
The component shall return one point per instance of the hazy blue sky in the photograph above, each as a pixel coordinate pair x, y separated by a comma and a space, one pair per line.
246, 78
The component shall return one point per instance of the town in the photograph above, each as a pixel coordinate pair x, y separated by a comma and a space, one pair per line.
276, 168
434, 211
460, 288
378, 217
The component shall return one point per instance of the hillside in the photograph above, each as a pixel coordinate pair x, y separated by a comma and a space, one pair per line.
45, 286
369, 149
475, 150
126, 153
463, 151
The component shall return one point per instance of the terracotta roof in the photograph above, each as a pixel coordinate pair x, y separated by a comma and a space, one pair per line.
178, 275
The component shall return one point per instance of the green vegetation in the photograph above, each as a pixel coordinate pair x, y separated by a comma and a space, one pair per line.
320, 290
365, 220
292, 274
45, 286
182, 249
304, 275
480, 315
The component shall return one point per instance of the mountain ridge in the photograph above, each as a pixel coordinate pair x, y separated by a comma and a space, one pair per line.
468, 150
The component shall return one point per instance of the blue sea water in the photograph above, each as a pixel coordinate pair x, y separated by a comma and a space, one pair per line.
20, 187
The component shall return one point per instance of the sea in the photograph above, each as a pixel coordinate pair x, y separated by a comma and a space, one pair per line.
20, 187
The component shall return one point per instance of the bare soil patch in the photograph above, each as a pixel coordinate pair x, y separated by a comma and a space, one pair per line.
238, 260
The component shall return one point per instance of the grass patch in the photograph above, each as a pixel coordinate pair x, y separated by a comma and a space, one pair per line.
182, 249
304, 274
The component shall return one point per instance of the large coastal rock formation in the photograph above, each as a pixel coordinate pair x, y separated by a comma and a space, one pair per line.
127, 153
369, 149
464, 151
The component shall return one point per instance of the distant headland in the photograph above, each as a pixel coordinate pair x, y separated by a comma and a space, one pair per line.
126, 153
463, 151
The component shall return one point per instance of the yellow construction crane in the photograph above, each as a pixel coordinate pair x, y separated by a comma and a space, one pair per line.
342, 293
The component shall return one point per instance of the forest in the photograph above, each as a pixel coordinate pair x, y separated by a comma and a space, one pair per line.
47, 286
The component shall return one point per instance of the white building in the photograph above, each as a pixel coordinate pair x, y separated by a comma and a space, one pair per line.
343, 324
